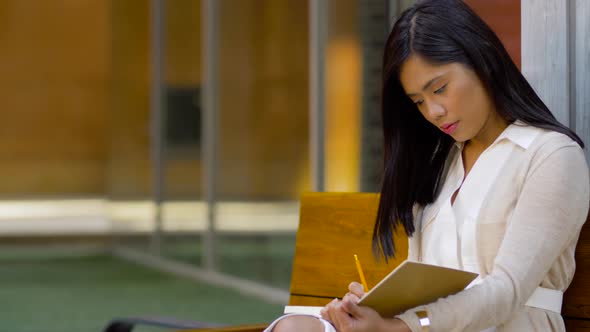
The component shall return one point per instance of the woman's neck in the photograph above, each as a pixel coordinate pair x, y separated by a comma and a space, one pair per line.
492, 128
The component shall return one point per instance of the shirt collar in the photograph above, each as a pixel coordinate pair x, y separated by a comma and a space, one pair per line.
519, 133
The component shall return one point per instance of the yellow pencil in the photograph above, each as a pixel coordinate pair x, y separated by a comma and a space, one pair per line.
361, 274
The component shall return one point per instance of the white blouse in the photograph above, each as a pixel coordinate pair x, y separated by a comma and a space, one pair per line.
449, 239
515, 221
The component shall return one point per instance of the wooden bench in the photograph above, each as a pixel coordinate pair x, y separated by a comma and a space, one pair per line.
333, 227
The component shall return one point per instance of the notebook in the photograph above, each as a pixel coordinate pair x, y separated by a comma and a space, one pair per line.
409, 285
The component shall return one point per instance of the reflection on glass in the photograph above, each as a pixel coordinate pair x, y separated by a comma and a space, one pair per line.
343, 96
184, 213
263, 135
129, 170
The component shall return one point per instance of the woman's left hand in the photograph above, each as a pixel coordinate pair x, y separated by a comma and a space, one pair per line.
347, 316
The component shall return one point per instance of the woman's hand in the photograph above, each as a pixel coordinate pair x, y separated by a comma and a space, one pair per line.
356, 289
347, 316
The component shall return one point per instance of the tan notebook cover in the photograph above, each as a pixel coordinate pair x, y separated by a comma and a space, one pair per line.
412, 284
409, 285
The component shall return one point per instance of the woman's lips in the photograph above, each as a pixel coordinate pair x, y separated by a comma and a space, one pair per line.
449, 128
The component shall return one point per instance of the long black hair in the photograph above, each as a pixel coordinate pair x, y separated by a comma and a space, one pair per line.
441, 32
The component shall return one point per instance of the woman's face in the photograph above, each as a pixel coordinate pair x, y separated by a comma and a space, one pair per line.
452, 98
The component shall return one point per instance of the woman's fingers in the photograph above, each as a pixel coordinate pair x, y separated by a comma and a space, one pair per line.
341, 319
351, 297
337, 316
328, 311
356, 288
351, 308
340, 315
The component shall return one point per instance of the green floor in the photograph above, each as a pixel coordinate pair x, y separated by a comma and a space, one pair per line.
266, 259
44, 293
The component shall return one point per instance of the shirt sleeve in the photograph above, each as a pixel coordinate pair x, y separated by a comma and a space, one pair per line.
547, 218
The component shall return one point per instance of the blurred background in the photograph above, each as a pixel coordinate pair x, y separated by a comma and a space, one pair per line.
153, 152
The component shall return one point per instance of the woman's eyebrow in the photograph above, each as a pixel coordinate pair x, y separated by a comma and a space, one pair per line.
427, 85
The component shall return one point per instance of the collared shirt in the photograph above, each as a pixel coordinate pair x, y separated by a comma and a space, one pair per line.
516, 221
449, 240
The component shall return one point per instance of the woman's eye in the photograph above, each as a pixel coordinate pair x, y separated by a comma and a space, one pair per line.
418, 102
441, 89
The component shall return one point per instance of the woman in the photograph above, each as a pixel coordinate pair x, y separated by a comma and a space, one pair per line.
481, 176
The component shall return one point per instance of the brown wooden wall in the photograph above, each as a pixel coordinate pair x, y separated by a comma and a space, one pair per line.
54, 90
262, 98
129, 119
74, 93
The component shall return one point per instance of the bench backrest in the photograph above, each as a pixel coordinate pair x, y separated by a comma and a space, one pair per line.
332, 228
335, 226
576, 304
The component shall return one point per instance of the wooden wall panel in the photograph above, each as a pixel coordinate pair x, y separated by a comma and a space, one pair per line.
183, 42
263, 98
54, 96
128, 172
75, 96
263, 119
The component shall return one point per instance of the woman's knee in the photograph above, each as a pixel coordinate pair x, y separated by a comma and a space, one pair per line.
299, 323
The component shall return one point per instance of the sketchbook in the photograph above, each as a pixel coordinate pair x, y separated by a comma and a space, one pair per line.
409, 285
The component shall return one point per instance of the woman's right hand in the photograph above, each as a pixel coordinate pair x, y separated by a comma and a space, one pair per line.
355, 293
356, 289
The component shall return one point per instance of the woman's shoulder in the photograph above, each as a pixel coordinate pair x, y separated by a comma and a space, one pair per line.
556, 151
547, 148
547, 141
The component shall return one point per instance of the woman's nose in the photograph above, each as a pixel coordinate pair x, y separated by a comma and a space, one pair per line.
435, 110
